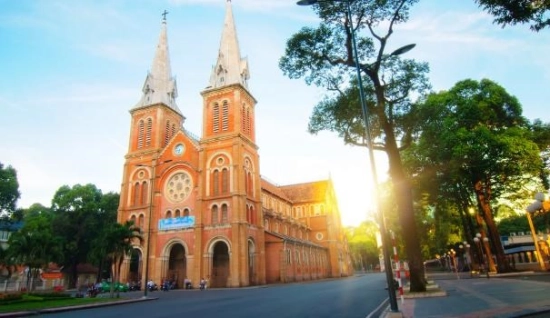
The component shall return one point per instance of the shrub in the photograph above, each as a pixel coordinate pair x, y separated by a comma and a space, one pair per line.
8, 298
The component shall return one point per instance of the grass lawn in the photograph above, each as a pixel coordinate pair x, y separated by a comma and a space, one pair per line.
54, 303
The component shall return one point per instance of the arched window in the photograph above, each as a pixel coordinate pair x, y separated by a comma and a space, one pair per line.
144, 191
224, 214
225, 116
216, 118
173, 130
216, 182
141, 129
225, 181
215, 217
149, 132
137, 194
140, 221
178, 213
168, 214
246, 181
133, 219
252, 215
249, 188
186, 212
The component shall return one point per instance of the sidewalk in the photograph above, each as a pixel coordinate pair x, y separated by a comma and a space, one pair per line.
502, 296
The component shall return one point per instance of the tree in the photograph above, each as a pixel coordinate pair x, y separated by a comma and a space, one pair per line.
324, 57
35, 249
77, 218
363, 246
510, 12
9, 189
476, 144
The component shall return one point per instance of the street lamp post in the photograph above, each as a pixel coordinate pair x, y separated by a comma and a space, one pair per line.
383, 229
485, 263
151, 198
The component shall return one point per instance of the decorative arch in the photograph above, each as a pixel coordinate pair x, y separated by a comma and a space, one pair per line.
216, 239
174, 256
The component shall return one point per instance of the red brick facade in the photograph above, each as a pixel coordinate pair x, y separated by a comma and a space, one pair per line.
209, 213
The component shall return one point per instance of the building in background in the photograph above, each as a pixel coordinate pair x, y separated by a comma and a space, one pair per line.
203, 207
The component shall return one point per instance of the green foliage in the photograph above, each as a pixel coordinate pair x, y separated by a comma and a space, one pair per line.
362, 245
519, 223
473, 149
9, 189
510, 12
323, 57
79, 215
473, 132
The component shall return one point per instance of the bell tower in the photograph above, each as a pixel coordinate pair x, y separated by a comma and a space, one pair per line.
232, 192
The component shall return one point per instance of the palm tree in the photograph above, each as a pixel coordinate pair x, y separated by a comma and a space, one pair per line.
119, 241
33, 249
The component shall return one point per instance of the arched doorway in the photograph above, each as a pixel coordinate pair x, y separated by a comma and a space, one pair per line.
251, 263
134, 274
177, 265
220, 265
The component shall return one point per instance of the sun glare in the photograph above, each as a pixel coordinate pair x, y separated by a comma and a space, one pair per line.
354, 187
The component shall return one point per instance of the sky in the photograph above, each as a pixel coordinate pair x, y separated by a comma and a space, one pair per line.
72, 70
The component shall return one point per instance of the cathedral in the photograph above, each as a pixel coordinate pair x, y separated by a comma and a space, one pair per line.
202, 205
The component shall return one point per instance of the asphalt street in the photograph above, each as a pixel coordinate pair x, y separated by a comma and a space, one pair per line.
355, 296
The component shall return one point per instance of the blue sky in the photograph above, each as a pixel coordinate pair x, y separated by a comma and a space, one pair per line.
71, 70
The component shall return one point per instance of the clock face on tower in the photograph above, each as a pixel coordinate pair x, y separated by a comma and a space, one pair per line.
179, 149
178, 187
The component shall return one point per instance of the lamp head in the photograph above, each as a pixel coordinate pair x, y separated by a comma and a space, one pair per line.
306, 2
403, 49
478, 235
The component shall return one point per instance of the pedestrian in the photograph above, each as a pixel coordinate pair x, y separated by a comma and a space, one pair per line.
203, 284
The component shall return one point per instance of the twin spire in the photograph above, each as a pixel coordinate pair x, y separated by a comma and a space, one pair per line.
230, 68
160, 87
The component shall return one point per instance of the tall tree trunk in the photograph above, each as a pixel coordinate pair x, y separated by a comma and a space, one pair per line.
74, 275
403, 195
483, 193
402, 192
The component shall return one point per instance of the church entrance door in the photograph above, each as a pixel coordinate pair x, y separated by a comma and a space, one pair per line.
135, 270
177, 265
220, 265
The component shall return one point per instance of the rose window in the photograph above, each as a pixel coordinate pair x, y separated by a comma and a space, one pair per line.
178, 187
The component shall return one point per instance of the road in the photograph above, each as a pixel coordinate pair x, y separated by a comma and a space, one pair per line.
355, 297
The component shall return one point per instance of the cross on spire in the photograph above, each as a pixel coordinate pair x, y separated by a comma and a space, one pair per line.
164, 15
